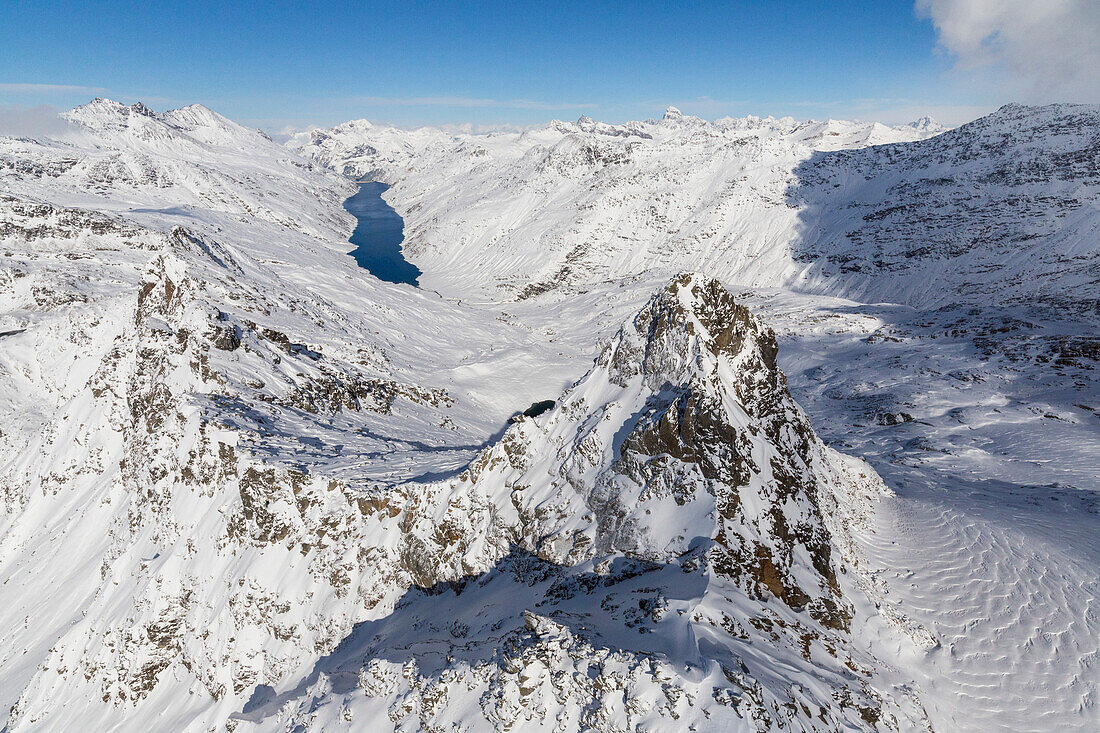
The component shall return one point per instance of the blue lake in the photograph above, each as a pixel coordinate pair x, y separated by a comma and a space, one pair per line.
378, 236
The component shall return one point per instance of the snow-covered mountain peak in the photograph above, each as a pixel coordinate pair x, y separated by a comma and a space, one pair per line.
350, 126
684, 430
139, 108
688, 330
691, 488
927, 124
130, 157
197, 115
108, 117
675, 122
207, 125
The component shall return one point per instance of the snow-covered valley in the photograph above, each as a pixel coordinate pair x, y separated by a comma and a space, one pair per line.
844, 476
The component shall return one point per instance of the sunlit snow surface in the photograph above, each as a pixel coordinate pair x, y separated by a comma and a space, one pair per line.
992, 543
935, 304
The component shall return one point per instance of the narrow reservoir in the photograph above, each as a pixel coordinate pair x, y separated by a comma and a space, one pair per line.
378, 236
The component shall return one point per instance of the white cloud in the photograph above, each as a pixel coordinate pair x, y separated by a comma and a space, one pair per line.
1040, 50
39, 121
49, 89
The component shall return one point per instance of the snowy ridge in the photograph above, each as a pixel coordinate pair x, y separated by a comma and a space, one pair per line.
157, 377
123, 428
177, 164
678, 462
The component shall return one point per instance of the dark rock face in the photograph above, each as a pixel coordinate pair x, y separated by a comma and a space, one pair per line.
694, 431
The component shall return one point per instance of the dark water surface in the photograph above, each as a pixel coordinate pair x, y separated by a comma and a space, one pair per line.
378, 236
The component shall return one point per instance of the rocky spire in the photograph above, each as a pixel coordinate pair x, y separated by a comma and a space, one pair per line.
683, 430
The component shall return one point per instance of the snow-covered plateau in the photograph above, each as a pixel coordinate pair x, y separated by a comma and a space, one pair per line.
823, 451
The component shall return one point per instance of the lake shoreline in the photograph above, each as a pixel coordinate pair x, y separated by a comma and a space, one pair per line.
378, 236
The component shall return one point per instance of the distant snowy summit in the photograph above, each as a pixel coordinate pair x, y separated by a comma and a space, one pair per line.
362, 149
106, 116
927, 125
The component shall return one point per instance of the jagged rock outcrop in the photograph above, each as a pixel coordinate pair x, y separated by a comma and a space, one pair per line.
684, 416
150, 386
677, 484
674, 492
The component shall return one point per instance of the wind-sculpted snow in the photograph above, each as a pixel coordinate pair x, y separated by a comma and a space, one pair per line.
983, 421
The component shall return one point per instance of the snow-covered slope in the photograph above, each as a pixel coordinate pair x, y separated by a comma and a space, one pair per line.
181, 163
165, 365
181, 527
1005, 207
572, 204
656, 547
247, 486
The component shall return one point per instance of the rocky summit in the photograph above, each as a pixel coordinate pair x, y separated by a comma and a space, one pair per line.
646, 551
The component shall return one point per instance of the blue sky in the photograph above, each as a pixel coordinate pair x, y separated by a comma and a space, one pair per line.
276, 64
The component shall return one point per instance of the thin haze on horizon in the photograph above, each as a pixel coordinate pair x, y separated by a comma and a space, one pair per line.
285, 65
